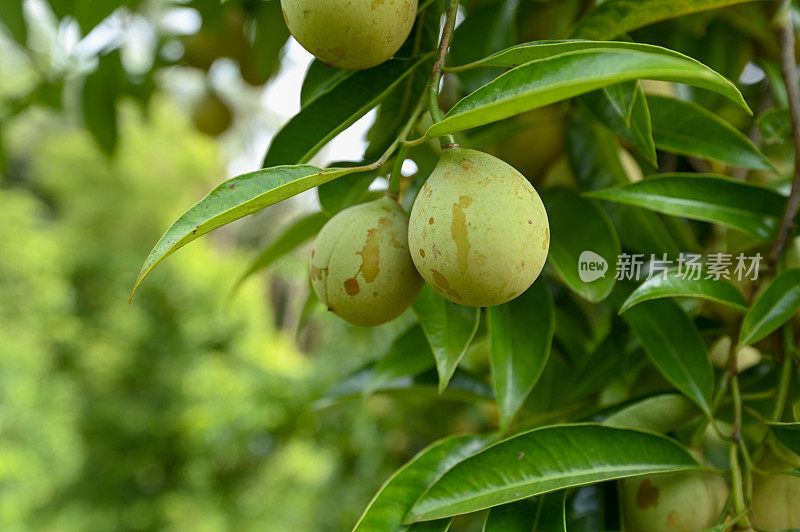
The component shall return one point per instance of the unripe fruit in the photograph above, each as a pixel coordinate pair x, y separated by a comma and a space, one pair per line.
360, 265
478, 231
352, 34
776, 498
212, 116
672, 502
747, 356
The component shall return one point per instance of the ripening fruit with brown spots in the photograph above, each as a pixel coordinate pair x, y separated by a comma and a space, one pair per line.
672, 502
352, 34
478, 231
360, 265
776, 497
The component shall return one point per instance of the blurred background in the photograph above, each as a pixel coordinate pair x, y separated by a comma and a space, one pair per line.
187, 409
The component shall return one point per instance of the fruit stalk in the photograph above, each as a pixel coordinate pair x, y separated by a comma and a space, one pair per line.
436, 72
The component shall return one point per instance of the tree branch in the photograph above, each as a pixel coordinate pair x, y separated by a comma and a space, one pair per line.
436, 72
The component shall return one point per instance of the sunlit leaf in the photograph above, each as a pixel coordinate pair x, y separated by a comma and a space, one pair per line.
676, 284
544, 460
234, 199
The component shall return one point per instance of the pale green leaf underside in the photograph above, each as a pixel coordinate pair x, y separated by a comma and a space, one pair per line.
234, 199
563, 76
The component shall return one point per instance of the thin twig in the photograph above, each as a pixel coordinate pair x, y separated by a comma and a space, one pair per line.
791, 80
436, 72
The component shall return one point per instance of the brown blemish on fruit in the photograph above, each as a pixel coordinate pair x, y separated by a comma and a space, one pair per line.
351, 287
673, 519
546, 238
370, 253
647, 495
466, 164
375, 294
422, 253
430, 221
458, 229
511, 295
479, 258
312, 253
435, 250
442, 282
317, 273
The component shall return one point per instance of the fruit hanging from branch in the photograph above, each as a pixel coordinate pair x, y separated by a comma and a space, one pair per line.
478, 231
351, 34
360, 265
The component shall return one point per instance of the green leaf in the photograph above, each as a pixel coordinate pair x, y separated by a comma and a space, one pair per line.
542, 514
753, 209
464, 386
674, 345
548, 459
337, 195
674, 285
775, 125
489, 26
440, 525
788, 434
689, 129
320, 78
234, 199
545, 81
89, 13
774, 307
409, 354
11, 16
300, 231
449, 329
396, 497
635, 128
615, 17
581, 232
520, 336
660, 413
334, 110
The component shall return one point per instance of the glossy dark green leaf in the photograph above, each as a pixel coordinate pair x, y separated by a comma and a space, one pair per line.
774, 307
297, 233
393, 501
449, 329
439, 525
635, 128
234, 199
595, 158
688, 129
11, 16
489, 26
520, 336
680, 285
334, 110
319, 79
342, 193
660, 413
615, 17
545, 81
98, 101
541, 514
544, 460
584, 246
788, 434
674, 345
409, 354
753, 209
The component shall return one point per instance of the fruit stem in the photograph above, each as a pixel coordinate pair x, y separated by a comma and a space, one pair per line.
736, 486
436, 72
786, 373
396, 176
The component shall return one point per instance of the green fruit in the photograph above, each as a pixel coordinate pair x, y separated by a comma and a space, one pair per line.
212, 116
360, 265
776, 497
478, 231
352, 34
672, 502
